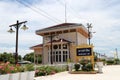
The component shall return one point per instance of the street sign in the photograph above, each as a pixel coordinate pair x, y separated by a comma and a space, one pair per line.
84, 51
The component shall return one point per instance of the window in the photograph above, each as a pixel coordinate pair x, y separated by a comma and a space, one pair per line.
55, 46
46, 33
60, 53
72, 30
59, 32
65, 31
53, 57
64, 46
65, 55
56, 56
59, 56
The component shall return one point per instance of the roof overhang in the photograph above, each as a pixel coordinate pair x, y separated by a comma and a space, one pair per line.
62, 27
39, 46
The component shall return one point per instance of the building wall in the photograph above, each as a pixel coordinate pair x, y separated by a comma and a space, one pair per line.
72, 53
45, 54
69, 36
81, 39
75, 37
38, 51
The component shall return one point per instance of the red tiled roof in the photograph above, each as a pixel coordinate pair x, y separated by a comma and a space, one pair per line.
63, 25
60, 40
37, 46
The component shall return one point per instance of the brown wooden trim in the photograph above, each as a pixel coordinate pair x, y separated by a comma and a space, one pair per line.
72, 30
65, 31
81, 31
59, 32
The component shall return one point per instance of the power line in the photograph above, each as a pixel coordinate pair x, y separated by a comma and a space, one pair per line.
43, 11
38, 10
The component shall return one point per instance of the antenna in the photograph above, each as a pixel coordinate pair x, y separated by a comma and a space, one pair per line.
65, 12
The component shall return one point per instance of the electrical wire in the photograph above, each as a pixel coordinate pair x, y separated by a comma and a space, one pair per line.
39, 11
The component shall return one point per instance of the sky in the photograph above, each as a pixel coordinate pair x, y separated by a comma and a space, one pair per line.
103, 14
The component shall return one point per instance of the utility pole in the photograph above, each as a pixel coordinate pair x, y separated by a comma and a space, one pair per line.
51, 53
116, 52
89, 32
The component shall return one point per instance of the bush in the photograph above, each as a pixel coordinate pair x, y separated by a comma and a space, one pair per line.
77, 66
89, 67
86, 65
110, 62
47, 70
116, 61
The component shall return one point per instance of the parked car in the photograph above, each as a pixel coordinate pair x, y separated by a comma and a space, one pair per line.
24, 62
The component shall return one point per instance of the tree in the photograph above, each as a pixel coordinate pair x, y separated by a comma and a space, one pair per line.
4, 57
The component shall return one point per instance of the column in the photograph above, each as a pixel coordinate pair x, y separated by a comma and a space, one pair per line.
61, 53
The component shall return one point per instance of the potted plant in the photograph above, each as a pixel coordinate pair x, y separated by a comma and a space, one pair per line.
83, 62
9, 71
23, 73
31, 71
4, 71
14, 72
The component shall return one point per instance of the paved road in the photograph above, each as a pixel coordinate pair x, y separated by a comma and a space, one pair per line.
109, 73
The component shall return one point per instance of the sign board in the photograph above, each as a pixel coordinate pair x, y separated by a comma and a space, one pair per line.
84, 51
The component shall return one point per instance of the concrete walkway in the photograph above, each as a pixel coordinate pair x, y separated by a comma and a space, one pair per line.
109, 73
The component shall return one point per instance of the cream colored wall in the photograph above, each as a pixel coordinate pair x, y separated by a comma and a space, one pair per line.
45, 55
38, 51
72, 53
77, 38
81, 39
69, 36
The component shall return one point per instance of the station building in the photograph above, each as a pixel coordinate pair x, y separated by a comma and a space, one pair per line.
59, 42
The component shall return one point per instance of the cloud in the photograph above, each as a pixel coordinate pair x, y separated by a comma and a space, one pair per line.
103, 14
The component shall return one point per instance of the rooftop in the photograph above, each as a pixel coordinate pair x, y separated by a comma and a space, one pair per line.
60, 26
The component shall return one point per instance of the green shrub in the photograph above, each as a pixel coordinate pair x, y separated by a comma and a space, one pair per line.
29, 67
89, 67
110, 62
86, 65
77, 66
116, 61
48, 70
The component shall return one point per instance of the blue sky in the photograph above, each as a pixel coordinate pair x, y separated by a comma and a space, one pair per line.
103, 14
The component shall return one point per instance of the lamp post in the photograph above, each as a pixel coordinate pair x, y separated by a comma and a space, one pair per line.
17, 26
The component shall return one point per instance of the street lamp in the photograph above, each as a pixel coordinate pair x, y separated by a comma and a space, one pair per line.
17, 26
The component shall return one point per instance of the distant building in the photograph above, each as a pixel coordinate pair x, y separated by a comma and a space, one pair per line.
59, 42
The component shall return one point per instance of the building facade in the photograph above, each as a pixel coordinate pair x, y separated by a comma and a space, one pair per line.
59, 42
